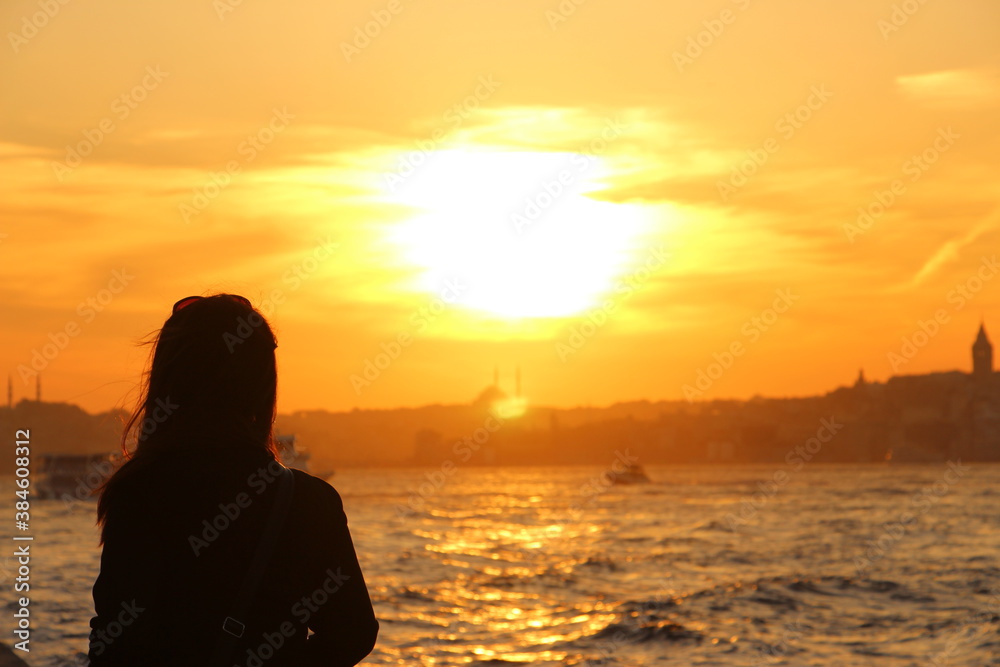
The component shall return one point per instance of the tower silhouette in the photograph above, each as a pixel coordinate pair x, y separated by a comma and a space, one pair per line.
982, 354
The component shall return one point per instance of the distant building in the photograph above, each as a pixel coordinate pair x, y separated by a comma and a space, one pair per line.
982, 354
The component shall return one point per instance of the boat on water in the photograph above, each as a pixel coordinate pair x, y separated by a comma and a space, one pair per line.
290, 455
77, 476
293, 456
633, 474
74, 476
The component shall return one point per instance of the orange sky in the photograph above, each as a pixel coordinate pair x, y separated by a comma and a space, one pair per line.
606, 197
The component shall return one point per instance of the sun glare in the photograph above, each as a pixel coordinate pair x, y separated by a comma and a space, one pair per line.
511, 407
515, 229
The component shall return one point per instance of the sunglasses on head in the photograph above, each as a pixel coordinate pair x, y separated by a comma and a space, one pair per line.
188, 300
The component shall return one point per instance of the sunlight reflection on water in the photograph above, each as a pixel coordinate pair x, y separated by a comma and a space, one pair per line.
501, 569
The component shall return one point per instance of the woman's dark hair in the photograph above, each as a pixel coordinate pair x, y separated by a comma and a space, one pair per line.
211, 382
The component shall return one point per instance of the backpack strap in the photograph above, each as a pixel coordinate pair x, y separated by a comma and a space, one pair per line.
232, 626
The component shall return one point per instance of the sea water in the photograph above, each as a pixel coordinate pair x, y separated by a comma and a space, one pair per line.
751, 565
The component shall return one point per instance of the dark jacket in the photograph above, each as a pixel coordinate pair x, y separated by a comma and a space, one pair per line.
179, 536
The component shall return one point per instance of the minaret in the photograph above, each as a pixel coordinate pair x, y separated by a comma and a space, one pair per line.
982, 354
38, 387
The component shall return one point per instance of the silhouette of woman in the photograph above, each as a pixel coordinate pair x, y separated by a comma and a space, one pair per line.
213, 552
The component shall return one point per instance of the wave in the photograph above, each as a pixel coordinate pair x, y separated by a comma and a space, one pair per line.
640, 633
714, 526
781, 594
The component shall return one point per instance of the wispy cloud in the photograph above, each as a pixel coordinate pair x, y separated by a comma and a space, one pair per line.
950, 251
952, 89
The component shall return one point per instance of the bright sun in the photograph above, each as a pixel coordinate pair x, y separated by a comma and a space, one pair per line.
517, 229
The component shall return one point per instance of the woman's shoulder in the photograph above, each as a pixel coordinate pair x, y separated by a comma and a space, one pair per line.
317, 490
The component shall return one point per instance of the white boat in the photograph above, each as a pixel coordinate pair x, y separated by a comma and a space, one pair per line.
290, 455
72, 475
